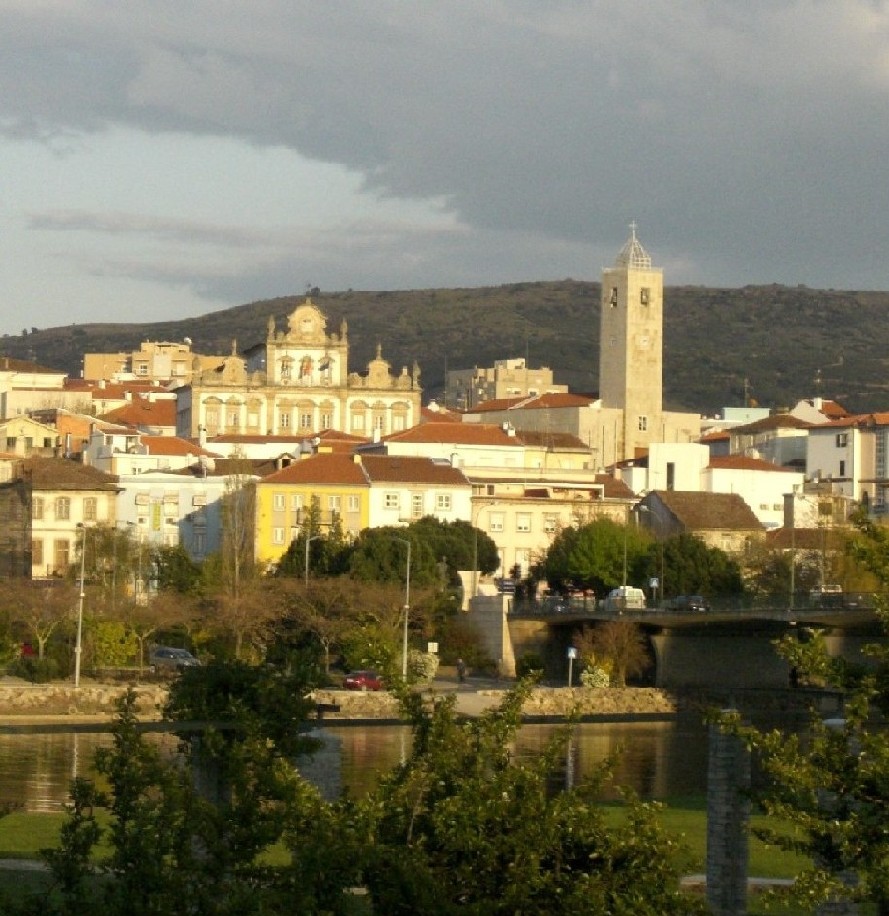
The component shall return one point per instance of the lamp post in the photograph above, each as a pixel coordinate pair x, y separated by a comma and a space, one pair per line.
314, 537
407, 604
78, 643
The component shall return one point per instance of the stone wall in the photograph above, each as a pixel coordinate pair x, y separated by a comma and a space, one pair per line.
20, 699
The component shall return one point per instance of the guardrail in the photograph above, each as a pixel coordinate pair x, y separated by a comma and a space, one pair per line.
831, 601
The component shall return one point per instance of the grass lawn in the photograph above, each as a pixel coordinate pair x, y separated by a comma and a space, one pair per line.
23, 835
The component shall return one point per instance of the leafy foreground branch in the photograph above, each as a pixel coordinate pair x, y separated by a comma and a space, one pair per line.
462, 826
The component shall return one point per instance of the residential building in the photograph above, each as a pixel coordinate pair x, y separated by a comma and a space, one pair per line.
721, 520
851, 453
369, 491
155, 361
177, 507
43, 505
507, 378
298, 383
780, 438
125, 450
24, 436
27, 386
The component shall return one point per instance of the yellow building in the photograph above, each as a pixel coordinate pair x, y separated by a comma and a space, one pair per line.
154, 361
323, 485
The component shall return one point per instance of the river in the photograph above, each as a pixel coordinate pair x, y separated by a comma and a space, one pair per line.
659, 759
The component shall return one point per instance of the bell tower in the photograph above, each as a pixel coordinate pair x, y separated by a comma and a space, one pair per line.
631, 345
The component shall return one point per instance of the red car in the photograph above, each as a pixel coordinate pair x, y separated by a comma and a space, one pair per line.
363, 680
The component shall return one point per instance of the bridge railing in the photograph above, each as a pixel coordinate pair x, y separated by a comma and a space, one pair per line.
802, 601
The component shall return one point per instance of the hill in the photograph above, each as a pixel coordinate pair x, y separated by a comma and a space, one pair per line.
773, 342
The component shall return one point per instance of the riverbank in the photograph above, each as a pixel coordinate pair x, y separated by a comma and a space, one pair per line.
35, 703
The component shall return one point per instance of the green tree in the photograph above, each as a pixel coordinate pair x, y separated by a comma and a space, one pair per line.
688, 566
462, 826
596, 555
832, 788
460, 544
381, 556
176, 571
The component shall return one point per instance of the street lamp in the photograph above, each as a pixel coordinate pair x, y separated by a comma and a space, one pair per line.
314, 537
407, 604
78, 643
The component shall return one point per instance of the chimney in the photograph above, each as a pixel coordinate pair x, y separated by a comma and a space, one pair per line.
202, 436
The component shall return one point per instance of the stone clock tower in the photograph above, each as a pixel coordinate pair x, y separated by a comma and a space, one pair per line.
631, 346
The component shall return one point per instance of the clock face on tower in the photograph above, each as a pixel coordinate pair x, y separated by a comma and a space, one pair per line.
307, 324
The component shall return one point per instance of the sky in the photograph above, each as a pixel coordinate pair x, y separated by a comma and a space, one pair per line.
165, 159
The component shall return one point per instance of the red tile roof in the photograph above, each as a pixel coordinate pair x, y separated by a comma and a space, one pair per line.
64, 474
173, 445
407, 469
144, 412
743, 463
456, 434
321, 469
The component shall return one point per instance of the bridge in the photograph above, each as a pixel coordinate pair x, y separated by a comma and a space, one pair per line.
730, 645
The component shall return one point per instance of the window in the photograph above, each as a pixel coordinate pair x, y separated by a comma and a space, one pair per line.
357, 421
278, 502
495, 521
671, 475
842, 469
644, 295
285, 421
613, 299
142, 368
37, 507
199, 499
233, 417
334, 503
61, 555
199, 543
10, 443
277, 535
296, 502
305, 421
443, 502
89, 509
416, 505
325, 420
643, 424
63, 508
842, 440
550, 523
390, 501
286, 365
523, 522
354, 503
37, 553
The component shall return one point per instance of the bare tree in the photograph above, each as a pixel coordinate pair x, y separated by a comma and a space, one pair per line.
620, 647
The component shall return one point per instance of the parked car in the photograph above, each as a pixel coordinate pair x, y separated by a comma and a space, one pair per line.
363, 680
170, 660
694, 603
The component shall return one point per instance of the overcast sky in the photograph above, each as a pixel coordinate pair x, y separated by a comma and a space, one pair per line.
165, 159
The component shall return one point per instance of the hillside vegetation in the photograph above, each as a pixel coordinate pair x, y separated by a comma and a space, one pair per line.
770, 342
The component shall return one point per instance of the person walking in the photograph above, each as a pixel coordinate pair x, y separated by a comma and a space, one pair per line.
461, 670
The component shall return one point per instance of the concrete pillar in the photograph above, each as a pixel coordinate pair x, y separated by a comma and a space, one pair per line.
728, 810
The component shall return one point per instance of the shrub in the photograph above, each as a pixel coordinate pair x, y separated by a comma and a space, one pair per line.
595, 677
36, 670
529, 664
421, 666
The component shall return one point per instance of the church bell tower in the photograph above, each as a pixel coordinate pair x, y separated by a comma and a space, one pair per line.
631, 344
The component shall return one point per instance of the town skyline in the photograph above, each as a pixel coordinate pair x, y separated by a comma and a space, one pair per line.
175, 166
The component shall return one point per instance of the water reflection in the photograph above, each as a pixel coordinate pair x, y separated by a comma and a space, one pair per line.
658, 759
